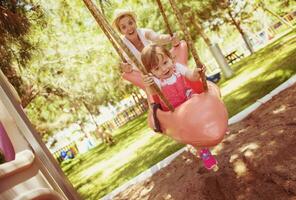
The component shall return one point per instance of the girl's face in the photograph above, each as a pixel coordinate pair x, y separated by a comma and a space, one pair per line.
165, 68
127, 27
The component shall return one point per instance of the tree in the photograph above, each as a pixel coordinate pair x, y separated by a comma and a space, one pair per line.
15, 47
236, 13
264, 6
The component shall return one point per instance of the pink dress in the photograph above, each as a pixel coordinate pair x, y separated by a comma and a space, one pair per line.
177, 89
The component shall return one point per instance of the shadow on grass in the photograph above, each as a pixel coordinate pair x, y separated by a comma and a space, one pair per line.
254, 90
262, 57
278, 71
123, 137
150, 154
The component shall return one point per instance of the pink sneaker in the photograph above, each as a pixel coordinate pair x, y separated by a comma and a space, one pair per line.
208, 159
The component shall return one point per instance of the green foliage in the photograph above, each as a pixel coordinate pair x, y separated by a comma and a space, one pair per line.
76, 65
15, 46
96, 184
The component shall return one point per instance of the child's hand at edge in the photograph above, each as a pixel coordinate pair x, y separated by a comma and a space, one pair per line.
126, 67
175, 40
148, 80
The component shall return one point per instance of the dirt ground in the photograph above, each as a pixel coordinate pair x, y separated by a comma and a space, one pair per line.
257, 160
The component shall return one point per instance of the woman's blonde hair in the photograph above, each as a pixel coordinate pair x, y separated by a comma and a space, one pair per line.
150, 56
119, 14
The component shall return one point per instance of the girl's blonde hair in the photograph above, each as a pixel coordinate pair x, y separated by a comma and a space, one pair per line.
150, 56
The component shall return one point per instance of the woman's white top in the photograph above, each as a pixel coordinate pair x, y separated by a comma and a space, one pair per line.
147, 36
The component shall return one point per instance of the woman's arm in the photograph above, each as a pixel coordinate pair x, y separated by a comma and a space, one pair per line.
193, 75
161, 39
190, 74
156, 37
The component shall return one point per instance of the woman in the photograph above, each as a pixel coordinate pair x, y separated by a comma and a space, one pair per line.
137, 38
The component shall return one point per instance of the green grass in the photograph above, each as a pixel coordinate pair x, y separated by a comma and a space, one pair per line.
258, 74
153, 149
101, 170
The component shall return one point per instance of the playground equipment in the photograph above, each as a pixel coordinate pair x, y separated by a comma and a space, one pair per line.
201, 120
29, 172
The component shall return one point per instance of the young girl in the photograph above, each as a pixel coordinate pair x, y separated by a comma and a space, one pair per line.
172, 78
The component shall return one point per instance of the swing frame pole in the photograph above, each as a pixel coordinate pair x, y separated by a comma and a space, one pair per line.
189, 41
166, 21
104, 23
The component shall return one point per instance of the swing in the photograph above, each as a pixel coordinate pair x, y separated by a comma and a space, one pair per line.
201, 120
179, 53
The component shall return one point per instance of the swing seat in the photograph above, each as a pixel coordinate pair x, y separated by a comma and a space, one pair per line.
200, 121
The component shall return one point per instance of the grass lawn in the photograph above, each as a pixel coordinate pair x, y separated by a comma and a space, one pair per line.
101, 170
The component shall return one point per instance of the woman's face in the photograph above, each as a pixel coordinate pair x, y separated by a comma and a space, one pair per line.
128, 27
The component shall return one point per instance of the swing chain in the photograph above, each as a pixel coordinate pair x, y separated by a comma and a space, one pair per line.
189, 41
166, 21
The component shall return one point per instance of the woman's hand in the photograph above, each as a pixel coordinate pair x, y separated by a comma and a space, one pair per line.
126, 67
175, 40
148, 80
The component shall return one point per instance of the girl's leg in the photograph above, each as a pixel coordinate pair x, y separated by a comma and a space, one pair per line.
208, 159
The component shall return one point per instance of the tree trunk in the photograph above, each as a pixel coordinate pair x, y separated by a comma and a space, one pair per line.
240, 30
29, 95
13, 78
219, 57
90, 113
105, 137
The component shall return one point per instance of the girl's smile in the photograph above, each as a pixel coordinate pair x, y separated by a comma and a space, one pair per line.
165, 68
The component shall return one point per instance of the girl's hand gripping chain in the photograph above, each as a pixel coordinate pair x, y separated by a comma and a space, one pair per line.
126, 67
148, 80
